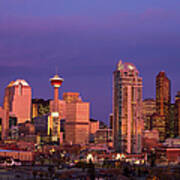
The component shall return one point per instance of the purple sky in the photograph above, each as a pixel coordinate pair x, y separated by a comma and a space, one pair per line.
85, 39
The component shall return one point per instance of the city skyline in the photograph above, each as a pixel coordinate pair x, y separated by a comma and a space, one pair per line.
89, 89
105, 119
86, 46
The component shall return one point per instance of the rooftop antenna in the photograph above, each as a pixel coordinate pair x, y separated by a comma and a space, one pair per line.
56, 70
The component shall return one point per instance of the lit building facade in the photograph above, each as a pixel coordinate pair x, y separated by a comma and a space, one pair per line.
77, 119
172, 121
4, 123
149, 108
127, 109
103, 136
54, 120
17, 100
71, 97
94, 126
177, 114
158, 123
163, 100
111, 121
150, 139
40, 107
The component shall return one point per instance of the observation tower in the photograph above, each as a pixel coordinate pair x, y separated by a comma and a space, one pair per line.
56, 82
54, 123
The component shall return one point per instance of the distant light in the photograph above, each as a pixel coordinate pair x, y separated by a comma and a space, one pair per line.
137, 162
118, 157
55, 114
130, 67
89, 157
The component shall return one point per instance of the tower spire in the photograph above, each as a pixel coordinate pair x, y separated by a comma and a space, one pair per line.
56, 70
54, 126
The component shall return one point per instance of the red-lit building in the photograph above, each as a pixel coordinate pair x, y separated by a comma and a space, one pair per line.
103, 136
94, 126
177, 114
163, 102
173, 154
150, 139
77, 124
17, 100
15, 154
4, 123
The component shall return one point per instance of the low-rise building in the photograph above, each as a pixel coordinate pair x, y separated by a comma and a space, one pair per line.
149, 108
94, 126
150, 139
103, 136
21, 155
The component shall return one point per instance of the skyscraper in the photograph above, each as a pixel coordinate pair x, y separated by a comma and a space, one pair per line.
177, 114
149, 108
17, 100
172, 120
163, 94
4, 123
77, 123
111, 121
159, 124
127, 108
163, 99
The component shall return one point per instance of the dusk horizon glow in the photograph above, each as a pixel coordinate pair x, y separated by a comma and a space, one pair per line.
85, 40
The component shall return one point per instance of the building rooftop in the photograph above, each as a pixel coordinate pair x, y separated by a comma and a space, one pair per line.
149, 99
9, 150
57, 78
17, 82
93, 120
126, 66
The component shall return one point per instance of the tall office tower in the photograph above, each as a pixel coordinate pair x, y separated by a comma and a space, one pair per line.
77, 119
111, 121
55, 109
177, 114
149, 108
172, 121
158, 123
127, 108
4, 123
17, 100
163, 99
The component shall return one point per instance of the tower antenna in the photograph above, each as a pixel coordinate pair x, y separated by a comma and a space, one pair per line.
56, 70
